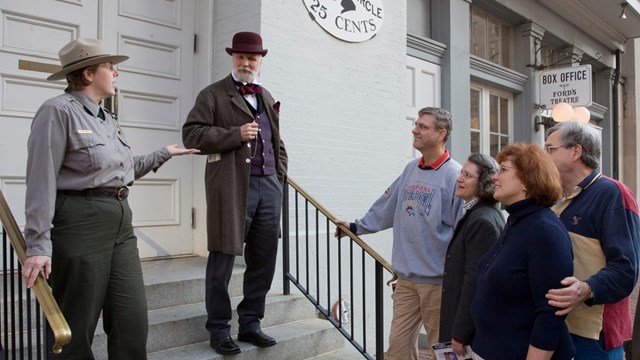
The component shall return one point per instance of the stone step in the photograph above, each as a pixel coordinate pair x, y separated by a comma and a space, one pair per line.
175, 291
175, 282
183, 325
302, 339
347, 353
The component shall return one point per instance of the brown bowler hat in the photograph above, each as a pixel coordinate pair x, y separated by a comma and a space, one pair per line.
248, 43
81, 53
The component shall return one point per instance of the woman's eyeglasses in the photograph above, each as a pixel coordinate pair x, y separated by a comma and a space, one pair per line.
467, 175
504, 169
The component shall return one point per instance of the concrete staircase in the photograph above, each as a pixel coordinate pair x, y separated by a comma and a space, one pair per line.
175, 294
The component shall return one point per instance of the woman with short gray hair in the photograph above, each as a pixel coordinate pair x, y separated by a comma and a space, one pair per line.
473, 236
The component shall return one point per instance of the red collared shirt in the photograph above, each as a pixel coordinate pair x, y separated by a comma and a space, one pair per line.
436, 164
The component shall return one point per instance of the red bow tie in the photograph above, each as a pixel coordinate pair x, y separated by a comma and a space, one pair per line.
248, 89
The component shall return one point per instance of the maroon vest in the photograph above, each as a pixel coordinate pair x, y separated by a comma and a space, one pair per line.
263, 161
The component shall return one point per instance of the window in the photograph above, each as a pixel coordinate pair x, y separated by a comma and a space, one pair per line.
491, 119
490, 39
418, 18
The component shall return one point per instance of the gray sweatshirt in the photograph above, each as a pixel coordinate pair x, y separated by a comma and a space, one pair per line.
423, 210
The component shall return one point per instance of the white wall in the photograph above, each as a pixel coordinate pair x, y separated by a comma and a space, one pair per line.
343, 111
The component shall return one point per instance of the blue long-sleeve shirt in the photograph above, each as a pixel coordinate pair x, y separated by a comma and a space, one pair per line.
510, 310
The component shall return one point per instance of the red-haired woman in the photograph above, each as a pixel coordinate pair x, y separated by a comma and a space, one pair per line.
533, 254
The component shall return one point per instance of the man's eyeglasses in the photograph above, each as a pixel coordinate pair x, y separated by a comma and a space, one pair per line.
420, 126
551, 148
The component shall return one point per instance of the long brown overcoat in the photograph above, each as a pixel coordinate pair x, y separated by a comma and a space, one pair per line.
213, 126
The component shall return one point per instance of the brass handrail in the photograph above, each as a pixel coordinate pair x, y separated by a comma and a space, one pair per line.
346, 231
59, 326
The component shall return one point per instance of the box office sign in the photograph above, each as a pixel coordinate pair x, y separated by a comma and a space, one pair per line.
571, 85
348, 20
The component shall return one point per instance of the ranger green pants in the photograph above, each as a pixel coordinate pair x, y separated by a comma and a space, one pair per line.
96, 267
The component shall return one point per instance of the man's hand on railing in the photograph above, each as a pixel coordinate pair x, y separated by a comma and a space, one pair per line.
32, 266
339, 233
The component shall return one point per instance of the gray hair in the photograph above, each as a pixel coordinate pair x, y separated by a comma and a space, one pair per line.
487, 167
573, 133
442, 117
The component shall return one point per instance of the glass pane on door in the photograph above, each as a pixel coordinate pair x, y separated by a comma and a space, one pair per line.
494, 126
475, 109
475, 141
504, 116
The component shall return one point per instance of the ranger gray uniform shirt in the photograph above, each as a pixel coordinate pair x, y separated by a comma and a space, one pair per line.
71, 148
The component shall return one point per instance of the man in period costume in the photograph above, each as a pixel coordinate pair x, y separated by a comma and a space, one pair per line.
235, 123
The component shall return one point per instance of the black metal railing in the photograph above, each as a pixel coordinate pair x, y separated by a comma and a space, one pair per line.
32, 325
346, 271
23, 334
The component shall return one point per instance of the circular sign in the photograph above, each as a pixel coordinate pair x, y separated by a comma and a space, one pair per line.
348, 20
342, 311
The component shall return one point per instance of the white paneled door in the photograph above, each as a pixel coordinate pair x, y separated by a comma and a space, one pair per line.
422, 90
155, 94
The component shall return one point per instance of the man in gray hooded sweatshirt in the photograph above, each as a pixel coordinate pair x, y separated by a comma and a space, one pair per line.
421, 207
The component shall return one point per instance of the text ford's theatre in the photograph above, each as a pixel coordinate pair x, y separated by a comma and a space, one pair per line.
570, 85
348, 20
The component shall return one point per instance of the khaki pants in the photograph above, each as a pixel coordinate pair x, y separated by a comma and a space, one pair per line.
413, 305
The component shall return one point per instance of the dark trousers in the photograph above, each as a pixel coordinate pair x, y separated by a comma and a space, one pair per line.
635, 342
262, 228
96, 267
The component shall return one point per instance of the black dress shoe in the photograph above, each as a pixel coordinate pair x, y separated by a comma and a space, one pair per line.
224, 346
257, 338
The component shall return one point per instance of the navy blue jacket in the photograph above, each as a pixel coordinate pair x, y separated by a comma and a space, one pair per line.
510, 310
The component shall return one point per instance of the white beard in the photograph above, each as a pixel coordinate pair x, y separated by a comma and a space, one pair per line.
245, 76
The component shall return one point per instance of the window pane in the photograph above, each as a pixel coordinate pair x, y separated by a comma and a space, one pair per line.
504, 116
506, 46
504, 141
491, 119
475, 142
419, 18
478, 34
494, 146
493, 114
475, 109
493, 38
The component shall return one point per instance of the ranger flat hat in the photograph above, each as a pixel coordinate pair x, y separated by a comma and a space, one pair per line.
248, 43
81, 53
